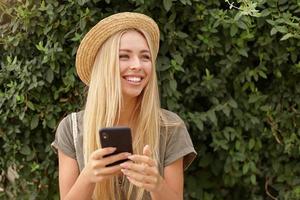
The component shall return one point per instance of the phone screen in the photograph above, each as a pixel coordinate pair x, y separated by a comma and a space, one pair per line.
119, 137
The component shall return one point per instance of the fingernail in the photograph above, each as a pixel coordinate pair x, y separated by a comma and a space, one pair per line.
128, 154
124, 165
130, 157
124, 171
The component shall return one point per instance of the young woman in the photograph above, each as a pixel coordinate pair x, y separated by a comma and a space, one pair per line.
116, 59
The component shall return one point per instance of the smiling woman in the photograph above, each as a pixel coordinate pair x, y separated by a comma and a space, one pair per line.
116, 59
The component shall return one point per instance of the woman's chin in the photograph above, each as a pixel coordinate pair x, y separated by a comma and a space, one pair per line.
132, 94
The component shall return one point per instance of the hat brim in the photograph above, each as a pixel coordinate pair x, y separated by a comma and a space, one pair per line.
108, 26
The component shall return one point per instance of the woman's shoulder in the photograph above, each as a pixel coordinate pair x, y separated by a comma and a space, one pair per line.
66, 122
79, 115
170, 117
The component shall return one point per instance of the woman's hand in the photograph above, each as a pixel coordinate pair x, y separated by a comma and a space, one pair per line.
143, 171
96, 169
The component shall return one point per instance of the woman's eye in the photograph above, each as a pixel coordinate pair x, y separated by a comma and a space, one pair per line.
146, 57
123, 56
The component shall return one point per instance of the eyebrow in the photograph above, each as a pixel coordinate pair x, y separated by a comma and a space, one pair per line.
128, 50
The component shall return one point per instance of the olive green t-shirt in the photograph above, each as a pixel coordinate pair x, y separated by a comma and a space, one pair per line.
175, 141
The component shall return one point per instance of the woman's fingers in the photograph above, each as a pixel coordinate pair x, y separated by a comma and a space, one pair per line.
142, 159
139, 177
107, 170
141, 168
143, 171
111, 159
147, 151
100, 163
99, 153
97, 170
147, 186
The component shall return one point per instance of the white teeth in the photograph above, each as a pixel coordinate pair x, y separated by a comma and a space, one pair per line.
133, 79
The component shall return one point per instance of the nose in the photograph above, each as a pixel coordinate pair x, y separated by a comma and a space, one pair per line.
135, 64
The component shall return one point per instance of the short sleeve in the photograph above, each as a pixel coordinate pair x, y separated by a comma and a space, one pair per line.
64, 138
179, 144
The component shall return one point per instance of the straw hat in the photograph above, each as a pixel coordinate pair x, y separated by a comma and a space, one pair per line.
108, 26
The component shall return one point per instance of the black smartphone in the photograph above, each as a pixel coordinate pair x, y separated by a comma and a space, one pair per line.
119, 137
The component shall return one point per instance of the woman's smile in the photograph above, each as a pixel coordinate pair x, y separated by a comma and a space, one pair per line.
133, 79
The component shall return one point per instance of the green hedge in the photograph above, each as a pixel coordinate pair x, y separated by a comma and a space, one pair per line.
230, 69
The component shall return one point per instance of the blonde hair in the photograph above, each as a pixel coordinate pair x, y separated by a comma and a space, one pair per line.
102, 109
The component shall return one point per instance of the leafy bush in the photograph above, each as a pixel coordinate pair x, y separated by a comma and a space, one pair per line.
230, 69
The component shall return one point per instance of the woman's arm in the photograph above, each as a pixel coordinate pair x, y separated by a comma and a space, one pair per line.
171, 186
71, 184
74, 185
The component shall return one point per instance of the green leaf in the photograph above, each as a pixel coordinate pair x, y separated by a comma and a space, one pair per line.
212, 116
265, 108
173, 84
77, 37
40, 47
232, 103
281, 29
34, 167
243, 52
273, 31
82, 24
34, 122
30, 105
237, 145
287, 36
167, 4
49, 76
199, 125
25, 150
242, 25
178, 58
277, 73
82, 2
254, 98
233, 30
51, 123
238, 16
265, 12
184, 2
282, 2
239, 157
182, 35
245, 168
227, 135
226, 111
253, 179
262, 74
251, 143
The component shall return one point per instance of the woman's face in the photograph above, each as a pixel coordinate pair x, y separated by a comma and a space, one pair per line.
135, 63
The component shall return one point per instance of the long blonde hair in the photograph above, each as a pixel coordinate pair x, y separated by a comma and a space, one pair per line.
102, 109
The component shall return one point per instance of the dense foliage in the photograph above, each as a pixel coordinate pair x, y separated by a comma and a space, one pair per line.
230, 69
